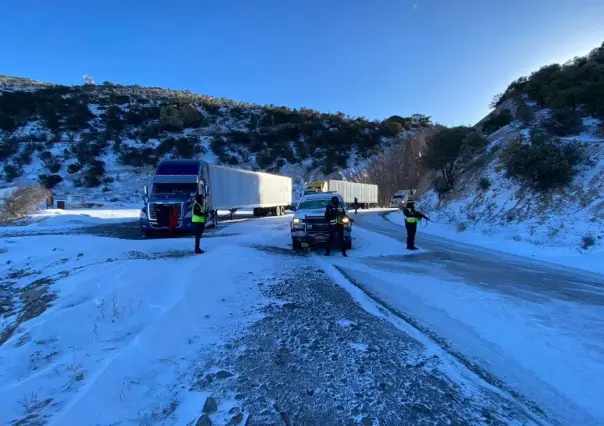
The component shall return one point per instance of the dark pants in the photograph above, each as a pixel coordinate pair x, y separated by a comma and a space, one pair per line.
335, 232
199, 227
411, 230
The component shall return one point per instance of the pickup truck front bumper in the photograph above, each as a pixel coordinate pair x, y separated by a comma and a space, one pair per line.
314, 234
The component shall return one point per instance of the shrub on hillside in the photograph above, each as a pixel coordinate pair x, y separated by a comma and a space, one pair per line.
79, 118
525, 114
484, 183
49, 181
25, 157
497, 120
12, 172
540, 162
171, 119
133, 117
139, 157
564, 123
587, 241
74, 168
52, 163
22, 202
7, 123
191, 117
93, 174
187, 147
8, 148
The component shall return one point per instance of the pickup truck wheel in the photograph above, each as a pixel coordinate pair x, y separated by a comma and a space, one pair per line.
296, 244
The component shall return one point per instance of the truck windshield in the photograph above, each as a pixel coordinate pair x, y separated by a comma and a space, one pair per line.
317, 203
174, 188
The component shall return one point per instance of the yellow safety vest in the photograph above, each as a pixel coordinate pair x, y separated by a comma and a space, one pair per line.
338, 219
204, 211
412, 219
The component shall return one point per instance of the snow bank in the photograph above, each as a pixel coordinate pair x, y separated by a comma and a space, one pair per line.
125, 323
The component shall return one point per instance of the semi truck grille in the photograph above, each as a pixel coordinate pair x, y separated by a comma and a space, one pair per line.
158, 212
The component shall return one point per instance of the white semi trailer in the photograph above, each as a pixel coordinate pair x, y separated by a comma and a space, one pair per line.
168, 206
365, 193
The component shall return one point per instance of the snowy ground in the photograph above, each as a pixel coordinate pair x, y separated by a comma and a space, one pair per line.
568, 256
534, 329
110, 330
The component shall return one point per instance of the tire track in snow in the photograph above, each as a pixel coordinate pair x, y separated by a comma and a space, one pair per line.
433, 343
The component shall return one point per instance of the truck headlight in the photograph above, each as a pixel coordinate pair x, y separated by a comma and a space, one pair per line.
297, 220
143, 215
345, 220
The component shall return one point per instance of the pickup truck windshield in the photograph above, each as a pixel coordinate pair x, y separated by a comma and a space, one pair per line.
174, 188
317, 203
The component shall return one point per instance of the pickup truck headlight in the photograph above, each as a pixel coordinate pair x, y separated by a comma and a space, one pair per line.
297, 220
345, 220
143, 215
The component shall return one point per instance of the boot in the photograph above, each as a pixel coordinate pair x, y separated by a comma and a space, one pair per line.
199, 251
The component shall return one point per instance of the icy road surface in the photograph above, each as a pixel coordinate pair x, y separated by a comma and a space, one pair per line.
107, 329
535, 328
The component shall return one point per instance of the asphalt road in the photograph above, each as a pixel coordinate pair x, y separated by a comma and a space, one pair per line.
491, 270
531, 328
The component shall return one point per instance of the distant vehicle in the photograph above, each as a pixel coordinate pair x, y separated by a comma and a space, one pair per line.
401, 197
309, 226
176, 182
366, 193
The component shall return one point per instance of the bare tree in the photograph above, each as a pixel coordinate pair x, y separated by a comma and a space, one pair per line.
399, 167
22, 202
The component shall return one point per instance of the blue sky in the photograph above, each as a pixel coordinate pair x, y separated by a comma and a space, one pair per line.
443, 58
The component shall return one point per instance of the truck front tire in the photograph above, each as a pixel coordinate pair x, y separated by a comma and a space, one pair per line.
296, 244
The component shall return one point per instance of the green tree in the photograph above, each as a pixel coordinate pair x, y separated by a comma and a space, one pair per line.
420, 120
525, 114
564, 123
451, 150
497, 120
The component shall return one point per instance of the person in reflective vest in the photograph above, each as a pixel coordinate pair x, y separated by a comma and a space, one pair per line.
198, 217
336, 216
412, 218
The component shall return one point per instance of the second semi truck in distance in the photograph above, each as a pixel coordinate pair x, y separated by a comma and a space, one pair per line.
365, 193
168, 206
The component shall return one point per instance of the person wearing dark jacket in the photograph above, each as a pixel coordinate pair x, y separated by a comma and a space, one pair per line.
198, 217
412, 218
335, 214
356, 205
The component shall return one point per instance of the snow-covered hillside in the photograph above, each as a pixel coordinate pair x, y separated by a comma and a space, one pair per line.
104, 141
488, 202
